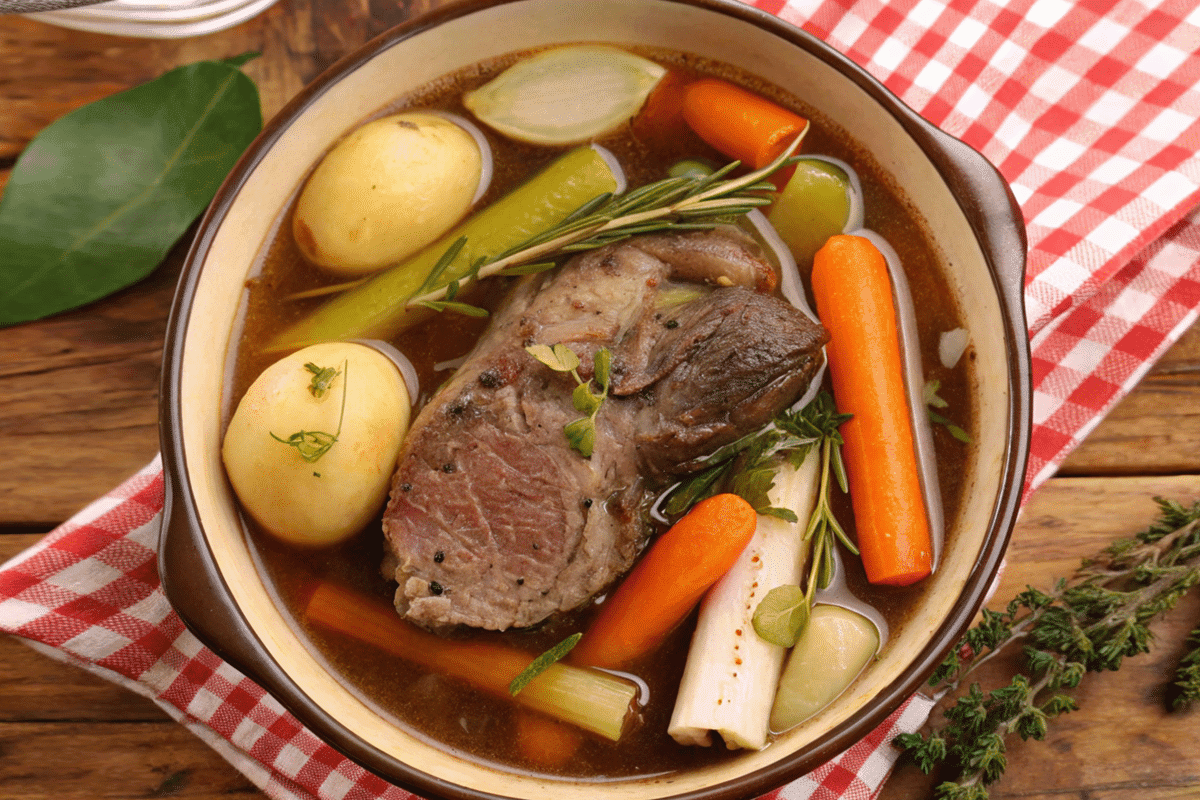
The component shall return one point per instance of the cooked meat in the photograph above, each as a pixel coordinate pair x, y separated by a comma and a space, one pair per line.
493, 520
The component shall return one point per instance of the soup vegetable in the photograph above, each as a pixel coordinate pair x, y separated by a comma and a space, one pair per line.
538, 340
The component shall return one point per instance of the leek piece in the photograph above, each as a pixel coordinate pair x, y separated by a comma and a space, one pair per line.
566, 95
376, 309
731, 673
813, 206
831, 652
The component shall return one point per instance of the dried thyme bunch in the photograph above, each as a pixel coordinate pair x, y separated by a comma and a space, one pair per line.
1089, 623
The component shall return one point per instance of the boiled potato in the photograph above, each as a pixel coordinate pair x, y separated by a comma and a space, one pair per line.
313, 443
385, 191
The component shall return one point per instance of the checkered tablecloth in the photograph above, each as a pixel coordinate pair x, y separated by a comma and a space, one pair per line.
1091, 111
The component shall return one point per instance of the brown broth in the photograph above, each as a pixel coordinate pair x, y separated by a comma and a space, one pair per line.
437, 707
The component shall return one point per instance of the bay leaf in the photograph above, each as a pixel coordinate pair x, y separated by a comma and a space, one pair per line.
99, 197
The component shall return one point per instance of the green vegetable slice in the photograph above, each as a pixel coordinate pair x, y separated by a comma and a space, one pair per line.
813, 206
100, 195
829, 655
566, 95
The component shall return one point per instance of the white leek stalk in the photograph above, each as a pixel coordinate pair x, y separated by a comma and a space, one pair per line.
729, 680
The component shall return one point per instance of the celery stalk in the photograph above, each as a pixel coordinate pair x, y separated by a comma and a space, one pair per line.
376, 308
591, 699
729, 680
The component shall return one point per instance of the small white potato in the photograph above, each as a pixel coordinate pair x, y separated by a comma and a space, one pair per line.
385, 191
330, 495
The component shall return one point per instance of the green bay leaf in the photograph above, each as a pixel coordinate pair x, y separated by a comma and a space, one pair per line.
99, 197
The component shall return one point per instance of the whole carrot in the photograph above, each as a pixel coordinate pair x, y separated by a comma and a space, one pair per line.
668, 582
854, 300
739, 123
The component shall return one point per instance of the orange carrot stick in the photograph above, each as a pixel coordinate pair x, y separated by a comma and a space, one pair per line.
661, 117
486, 666
587, 698
546, 742
739, 123
854, 300
669, 580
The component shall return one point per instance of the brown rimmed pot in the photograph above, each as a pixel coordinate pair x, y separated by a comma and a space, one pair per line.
207, 568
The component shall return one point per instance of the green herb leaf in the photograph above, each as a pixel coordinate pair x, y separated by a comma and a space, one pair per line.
559, 358
584, 401
694, 202
543, 662
781, 615
466, 309
1088, 623
322, 378
602, 368
530, 269
581, 435
953, 429
99, 197
930, 392
311, 445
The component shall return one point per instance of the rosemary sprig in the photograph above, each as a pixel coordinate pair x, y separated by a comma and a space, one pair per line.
687, 202
1089, 623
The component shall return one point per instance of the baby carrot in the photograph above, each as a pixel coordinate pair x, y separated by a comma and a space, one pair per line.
669, 580
738, 123
854, 301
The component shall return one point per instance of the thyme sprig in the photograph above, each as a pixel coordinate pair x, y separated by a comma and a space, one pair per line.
581, 433
311, 445
747, 468
1089, 623
821, 423
932, 401
686, 202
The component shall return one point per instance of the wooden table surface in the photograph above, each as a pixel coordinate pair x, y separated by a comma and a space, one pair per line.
78, 413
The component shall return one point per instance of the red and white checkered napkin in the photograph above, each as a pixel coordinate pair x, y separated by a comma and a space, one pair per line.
1094, 118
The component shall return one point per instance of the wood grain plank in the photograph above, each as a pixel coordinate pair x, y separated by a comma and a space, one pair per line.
36, 688
1124, 743
113, 761
1156, 429
79, 400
